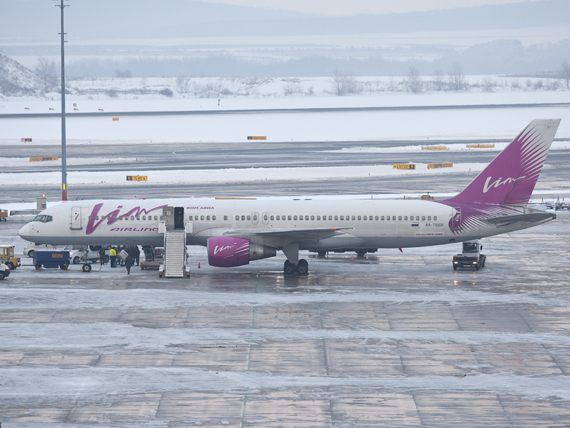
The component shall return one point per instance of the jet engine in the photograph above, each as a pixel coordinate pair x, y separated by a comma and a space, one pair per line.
227, 251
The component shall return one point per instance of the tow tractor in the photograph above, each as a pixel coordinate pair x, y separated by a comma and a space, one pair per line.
471, 256
7, 257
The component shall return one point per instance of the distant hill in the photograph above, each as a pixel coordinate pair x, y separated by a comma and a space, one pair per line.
15, 79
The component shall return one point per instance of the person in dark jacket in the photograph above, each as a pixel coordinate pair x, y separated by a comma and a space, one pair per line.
129, 263
102, 255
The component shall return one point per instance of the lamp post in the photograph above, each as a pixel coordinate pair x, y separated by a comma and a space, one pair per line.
63, 136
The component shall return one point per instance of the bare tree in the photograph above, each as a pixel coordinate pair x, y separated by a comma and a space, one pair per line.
565, 73
456, 78
45, 70
183, 85
438, 80
413, 81
346, 83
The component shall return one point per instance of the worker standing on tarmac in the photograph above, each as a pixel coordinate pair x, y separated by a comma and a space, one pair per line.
102, 255
137, 254
113, 255
129, 263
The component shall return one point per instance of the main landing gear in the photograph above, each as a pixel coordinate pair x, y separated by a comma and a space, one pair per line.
301, 268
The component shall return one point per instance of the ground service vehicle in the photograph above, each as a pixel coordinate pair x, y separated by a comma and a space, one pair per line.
7, 257
3, 215
51, 259
471, 256
4, 271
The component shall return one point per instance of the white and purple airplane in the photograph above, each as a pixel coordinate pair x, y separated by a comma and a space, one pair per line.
237, 231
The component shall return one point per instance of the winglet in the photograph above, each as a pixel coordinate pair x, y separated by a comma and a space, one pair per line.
510, 178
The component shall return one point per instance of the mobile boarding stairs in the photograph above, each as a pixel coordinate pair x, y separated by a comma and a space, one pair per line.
174, 259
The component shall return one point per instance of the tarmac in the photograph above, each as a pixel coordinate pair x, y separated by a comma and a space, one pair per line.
392, 339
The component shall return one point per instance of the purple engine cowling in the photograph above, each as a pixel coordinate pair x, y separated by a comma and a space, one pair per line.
228, 251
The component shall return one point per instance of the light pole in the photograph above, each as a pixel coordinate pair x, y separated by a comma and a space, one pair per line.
63, 137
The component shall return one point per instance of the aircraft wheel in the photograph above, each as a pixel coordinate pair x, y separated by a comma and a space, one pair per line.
360, 253
86, 267
303, 267
322, 253
38, 267
288, 268
11, 266
1, 276
31, 253
63, 266
76, 260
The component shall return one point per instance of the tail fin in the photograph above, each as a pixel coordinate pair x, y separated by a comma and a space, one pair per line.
510, 178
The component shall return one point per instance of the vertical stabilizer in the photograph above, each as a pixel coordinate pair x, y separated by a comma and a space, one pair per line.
510, 178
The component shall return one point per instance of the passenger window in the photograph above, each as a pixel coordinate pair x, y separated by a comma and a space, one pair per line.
271, 218
207, 217
417, 217
255, 217
377, 218
248, 218
342, 217
429, 217
336, 217
364, 218
358, 217
353, 217
423, 218
201, 217
243, 218
312, 217
295, 217
394, 218
214, 217
382, 218
277, 217
400, 217
306, 217
434, 218
405, 217
237, 217
225, 217
289, 218
318, 217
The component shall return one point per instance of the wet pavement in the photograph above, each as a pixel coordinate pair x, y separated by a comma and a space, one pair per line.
392, 339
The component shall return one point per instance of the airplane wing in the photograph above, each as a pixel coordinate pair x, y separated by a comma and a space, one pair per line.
278, 238
531, 218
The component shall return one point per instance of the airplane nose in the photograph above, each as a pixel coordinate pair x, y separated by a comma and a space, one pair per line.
25, 232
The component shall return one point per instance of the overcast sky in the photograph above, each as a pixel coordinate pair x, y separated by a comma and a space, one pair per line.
353, 7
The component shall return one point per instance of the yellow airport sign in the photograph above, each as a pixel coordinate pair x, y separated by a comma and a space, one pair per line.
440, 165
259, 137
480, 146
137, 178
404, 166
53, 158
434, 148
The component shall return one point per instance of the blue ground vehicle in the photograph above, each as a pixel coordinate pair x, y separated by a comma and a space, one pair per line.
51, 259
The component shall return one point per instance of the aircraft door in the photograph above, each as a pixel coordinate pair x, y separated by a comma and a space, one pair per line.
76, 218
455, 222
255, 218
265, 218
179, 217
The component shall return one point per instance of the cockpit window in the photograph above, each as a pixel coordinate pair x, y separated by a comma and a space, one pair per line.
43, 218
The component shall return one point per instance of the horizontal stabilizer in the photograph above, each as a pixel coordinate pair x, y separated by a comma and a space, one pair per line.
530, 218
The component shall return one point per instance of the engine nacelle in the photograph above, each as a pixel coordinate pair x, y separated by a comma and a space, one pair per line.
227, 251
